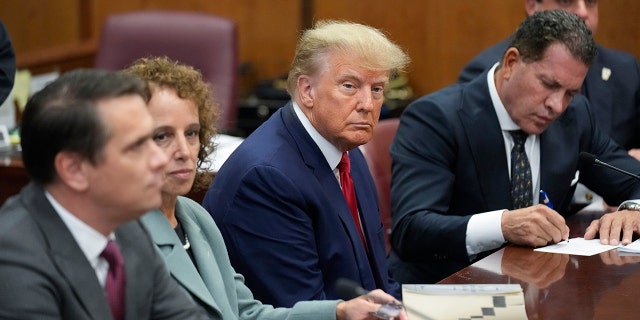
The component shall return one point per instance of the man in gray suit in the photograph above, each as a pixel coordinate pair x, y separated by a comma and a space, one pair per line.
86, 141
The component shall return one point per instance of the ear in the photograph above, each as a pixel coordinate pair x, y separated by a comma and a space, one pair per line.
70, 168
530, 6
509, 61
306, 92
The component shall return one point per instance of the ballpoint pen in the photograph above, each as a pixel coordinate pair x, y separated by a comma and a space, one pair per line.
547, 201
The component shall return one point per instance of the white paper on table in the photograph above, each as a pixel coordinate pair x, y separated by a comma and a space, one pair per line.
577, 246
633, 247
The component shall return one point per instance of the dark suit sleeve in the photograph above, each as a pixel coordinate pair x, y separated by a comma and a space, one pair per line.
483, 61
7, 63
613, 186
473, 69
26, 292
424, 154
277, 255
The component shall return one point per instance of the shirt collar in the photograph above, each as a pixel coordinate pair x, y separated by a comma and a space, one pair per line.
329, 151
91, 242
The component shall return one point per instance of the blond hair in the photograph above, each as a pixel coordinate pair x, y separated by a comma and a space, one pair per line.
373, 49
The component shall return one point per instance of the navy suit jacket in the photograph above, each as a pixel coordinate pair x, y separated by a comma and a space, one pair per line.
612, 86
449, 162
45, 275
286, 223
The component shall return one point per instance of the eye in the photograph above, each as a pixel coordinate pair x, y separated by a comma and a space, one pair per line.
193, 135
349, 86
161, 138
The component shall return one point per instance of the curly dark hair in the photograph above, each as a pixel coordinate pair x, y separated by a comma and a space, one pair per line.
188, 83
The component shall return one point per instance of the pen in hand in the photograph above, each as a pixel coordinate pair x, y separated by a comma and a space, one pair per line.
545, 199
547, 202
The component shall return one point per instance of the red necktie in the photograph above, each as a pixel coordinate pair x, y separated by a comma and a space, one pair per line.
115, 283
344, 167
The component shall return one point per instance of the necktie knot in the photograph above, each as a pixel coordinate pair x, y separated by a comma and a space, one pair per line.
345, 163
519, 137
112, 254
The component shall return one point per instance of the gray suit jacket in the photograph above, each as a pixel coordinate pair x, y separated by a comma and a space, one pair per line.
214, 284
45, 275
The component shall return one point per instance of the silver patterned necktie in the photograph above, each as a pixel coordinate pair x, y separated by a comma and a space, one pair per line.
521, 193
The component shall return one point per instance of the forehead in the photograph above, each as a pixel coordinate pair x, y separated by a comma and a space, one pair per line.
125, 117
351, 65
560, 65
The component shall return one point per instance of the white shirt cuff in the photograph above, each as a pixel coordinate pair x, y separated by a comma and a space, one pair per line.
484, 232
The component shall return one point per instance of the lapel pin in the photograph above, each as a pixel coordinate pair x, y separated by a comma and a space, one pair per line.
606, 73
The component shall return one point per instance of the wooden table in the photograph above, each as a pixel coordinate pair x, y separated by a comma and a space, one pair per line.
559, 286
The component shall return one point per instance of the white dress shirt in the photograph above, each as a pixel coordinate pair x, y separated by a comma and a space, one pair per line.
91, 242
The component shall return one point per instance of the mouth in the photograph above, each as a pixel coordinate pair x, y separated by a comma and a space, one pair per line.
362, 125
543, 120
181, 174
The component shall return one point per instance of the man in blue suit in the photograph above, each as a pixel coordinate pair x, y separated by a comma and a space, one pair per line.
278, 199
612, 84
452, 192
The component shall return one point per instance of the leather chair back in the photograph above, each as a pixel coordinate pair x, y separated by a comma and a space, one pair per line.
376, 152
206, 42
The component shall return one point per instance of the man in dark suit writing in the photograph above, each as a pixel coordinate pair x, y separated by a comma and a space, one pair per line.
70, 249
469, 161
612, 84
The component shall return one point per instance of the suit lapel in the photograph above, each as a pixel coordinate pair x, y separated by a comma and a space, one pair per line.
178, 262
482, 131
67, 255
314, 159
555, 143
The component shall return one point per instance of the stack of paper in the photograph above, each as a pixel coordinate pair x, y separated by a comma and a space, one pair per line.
460, 301
582, 247
633, 247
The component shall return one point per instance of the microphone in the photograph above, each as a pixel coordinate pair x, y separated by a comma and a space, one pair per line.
349, 289
590, 159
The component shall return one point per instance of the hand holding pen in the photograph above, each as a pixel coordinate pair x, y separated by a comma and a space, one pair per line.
547, 201
534, 226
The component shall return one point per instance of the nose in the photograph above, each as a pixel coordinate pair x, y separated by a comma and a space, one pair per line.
181, 147
556, 102
580, 9
365, 99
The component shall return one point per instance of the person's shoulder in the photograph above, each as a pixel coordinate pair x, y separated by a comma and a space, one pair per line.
440, 98
14, 216
192, 208
615, 56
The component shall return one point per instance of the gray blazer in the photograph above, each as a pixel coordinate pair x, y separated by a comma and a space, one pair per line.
45, 275
214, 284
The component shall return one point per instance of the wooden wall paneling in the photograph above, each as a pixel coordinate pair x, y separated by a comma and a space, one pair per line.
619, 26
440, 36
35, 24
267, 30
